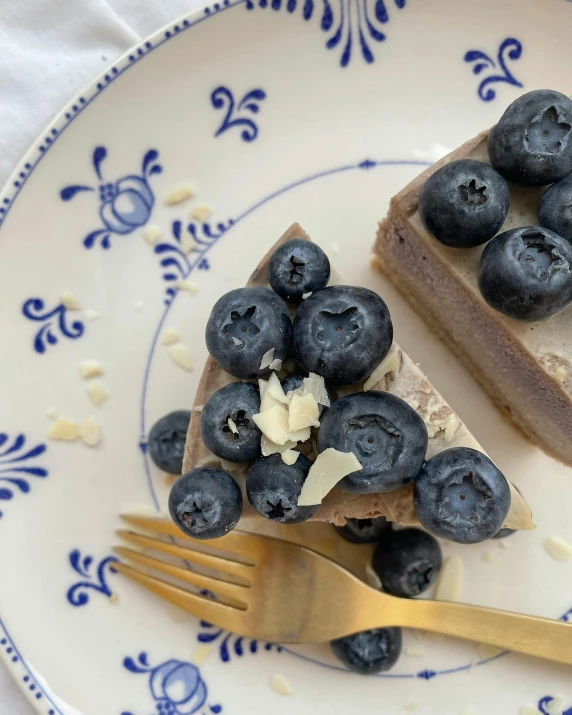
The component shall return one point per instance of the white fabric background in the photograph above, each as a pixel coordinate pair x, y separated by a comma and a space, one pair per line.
49, 50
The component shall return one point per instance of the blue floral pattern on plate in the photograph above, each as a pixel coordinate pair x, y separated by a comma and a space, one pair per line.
56, 318
229, 643
176, 264
176, 686
353, 21
92, 580
124, 205
15, 468
511, 48
237, 113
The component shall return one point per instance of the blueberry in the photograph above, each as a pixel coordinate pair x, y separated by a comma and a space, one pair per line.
167, 441
387, 436
526, 273
461, 495
205, 503
555, 210
532, 145
273, 488
298, 267
227, 427
342, 333
369, 652
295, 380
244, 325
407, 562
464, 203
365, 531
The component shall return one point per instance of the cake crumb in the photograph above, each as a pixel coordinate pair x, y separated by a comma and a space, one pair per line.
201, 653
152, 234
64, 430
487, 556
450, 582
89, 432
411, 705
90, 368
69, 301
51, 413
188, 243
280, 685
169, 479
97, 392
198, 408
554, 706
178, 196
560, 374
558, 548
91, 314
170, 336
451, 427
201, 213
415, 652
187, 286
113, 598
181, 356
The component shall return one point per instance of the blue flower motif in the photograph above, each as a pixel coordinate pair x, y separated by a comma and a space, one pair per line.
512, 48
77, 594
176, 686
124, 205
15, 468
345, 21
237, 115
34, 309
229, 643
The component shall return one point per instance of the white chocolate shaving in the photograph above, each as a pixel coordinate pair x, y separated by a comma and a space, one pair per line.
329, 468
303, 412
181, 356
178, 196
289, 456
90, 368
389, 363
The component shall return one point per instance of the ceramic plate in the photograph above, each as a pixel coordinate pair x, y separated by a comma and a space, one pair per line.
314, 111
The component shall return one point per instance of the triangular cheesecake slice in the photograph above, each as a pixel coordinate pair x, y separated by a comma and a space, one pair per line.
398, 375
526, 368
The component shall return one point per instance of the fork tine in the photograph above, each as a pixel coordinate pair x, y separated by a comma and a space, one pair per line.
219, 587
237, 542
197, 557
219, 614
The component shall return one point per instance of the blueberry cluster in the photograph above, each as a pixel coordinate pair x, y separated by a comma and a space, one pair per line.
525, 272
338, 336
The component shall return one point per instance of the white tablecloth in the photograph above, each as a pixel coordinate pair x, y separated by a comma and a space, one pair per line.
50, 49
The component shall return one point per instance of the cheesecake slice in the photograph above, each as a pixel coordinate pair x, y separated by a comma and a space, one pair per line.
397, 374
525, 368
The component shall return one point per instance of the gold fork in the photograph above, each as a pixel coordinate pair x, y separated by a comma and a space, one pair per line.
280, 592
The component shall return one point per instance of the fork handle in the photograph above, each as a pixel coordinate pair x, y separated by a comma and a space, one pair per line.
539, 637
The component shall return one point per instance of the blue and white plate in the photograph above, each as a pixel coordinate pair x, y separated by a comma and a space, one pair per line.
314, 111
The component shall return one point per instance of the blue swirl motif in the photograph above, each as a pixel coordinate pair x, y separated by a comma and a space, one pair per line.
511, 48
35, 309
92, 580
176, 264
124, 205
544, 704
229, 644
176, 686
237, 115
353, 20
15, 468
